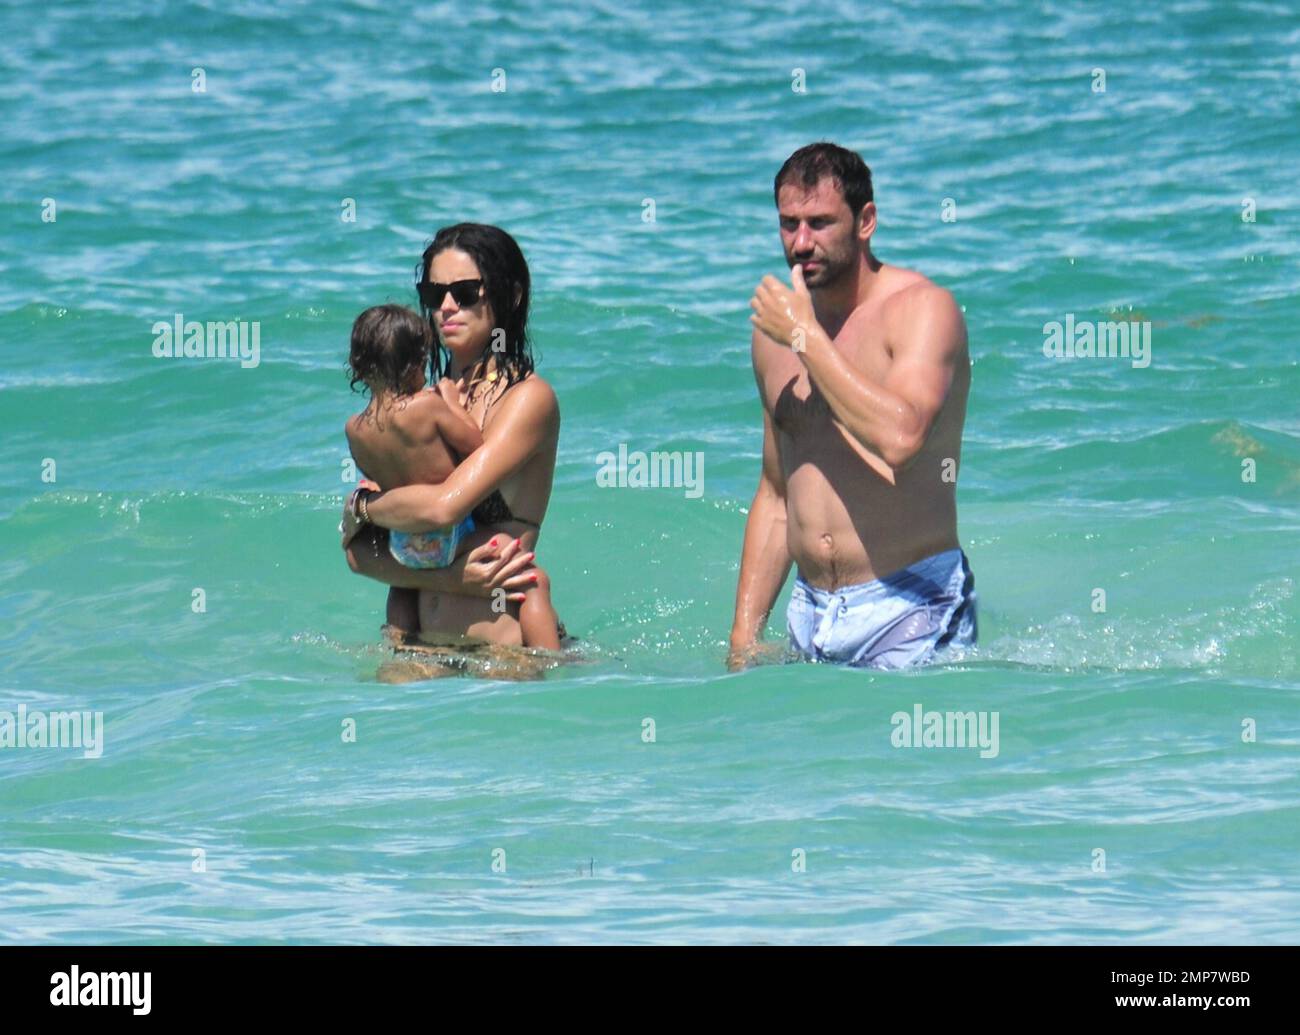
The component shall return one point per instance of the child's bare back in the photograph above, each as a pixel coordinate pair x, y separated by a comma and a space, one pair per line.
415, 439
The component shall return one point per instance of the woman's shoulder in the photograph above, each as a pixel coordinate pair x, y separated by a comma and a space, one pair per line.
533, 393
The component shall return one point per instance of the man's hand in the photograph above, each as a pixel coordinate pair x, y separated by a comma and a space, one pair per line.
746, 655
784, 314
740, 656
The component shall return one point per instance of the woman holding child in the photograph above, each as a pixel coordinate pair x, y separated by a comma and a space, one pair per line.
469, 460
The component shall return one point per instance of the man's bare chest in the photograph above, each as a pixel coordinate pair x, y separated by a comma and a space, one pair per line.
796, 404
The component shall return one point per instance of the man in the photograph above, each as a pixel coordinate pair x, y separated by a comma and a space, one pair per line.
863, 372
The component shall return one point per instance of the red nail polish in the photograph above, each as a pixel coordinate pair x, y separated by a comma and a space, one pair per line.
532, 578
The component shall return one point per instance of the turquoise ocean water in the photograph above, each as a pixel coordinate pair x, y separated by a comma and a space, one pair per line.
771, 806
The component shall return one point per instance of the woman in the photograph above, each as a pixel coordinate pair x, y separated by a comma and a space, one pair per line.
474, 290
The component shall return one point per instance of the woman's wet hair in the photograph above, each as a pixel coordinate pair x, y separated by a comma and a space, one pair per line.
389, 343
504, 270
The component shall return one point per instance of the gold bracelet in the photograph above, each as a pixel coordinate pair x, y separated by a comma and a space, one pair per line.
363, 510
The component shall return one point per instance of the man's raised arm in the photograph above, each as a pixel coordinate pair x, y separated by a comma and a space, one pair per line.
892, 418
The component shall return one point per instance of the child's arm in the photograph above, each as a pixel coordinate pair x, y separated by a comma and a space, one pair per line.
462, 436
455, 425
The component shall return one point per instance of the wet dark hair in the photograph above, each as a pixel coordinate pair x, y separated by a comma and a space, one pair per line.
504, 270
808, 166
388, 343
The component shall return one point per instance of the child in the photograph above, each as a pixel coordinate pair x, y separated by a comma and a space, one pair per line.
412, 435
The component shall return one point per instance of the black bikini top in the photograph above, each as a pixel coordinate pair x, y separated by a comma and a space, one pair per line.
496, 511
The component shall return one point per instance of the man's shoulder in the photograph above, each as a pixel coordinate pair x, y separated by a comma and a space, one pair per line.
916, 292
922, 307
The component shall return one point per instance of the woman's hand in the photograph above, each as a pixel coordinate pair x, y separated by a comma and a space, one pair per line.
498, 568
501, 564
351, 523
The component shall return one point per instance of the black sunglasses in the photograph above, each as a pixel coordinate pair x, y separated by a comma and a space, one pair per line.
463, 292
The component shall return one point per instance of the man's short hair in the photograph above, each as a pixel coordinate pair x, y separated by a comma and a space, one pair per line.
808, 166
